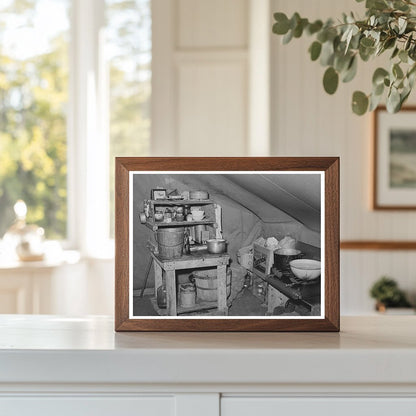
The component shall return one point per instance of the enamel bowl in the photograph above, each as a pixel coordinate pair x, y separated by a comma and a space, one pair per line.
306, 269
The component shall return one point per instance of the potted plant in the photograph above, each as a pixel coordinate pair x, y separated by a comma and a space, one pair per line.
389, 27
387, 294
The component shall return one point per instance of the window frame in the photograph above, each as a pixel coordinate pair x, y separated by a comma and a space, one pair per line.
87, 128
87, 133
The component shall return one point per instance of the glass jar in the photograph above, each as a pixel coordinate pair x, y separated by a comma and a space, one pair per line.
161, 297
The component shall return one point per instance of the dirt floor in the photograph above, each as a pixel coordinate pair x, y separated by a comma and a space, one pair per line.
245, 304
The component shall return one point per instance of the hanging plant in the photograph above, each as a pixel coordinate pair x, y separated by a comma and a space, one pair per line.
389, 27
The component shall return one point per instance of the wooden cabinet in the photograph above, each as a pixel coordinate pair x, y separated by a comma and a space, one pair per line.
68, 405
321, 406
51, 365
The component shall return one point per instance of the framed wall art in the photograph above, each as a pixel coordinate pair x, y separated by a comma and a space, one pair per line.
394, 179
227, 244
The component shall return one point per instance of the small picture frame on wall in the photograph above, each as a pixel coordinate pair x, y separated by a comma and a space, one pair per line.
187, 262
394, 150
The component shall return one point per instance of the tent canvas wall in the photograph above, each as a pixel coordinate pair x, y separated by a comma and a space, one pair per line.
253, 205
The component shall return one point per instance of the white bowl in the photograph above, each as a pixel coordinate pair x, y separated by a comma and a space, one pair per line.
306, 269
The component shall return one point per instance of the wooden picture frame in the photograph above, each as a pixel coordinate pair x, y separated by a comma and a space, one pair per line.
327, 168
394, 184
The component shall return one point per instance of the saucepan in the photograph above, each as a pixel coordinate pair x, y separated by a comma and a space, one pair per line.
216, 245
283, 256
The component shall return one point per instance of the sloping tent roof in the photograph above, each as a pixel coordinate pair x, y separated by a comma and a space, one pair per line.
253, 205
298, 195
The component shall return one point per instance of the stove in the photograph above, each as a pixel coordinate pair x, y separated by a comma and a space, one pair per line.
303, 296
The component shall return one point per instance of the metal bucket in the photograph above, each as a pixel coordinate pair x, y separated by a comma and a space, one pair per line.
187, 295
206, 284
170, 242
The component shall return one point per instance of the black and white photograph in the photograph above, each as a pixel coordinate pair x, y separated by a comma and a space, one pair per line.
226, 244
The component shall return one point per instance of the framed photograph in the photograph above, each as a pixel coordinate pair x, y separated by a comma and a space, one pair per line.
238, 244
394, 159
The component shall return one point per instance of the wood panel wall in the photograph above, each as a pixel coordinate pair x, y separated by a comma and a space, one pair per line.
306, 121
208, 57
200, 73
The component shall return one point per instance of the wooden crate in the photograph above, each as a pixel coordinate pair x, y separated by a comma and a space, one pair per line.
263, 259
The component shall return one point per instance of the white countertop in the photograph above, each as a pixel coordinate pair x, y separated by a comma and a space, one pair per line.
53, 349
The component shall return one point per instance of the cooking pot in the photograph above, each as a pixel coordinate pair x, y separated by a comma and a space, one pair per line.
216, 245
283, 256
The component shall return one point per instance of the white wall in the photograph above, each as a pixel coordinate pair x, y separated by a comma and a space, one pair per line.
209, 85
205, 73
200, 77
308, 122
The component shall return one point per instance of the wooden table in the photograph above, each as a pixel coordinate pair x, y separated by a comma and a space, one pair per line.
194, 260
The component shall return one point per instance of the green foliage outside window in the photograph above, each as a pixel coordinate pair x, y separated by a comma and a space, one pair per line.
33, 99
34, 103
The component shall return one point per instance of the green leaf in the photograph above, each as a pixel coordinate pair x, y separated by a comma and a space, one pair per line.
367, 42
393, 101
351, 71
400, 5
376, 4
402, 24
374, 102
342, 62
411, 75
294, 20
322, 36
288, 37
378, 89
281, 27
403, 56
359, 103
366, 53
397, 71
412, 52
315, 50
314, 27
330, 80
389, 43
412, 70
379, 75
327, 53
404, 96
408, 42
298, 30
395, 52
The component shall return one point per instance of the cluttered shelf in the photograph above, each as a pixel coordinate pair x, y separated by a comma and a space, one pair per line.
179, 202
154, 226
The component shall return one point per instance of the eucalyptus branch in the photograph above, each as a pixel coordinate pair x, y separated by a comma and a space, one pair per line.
389, 25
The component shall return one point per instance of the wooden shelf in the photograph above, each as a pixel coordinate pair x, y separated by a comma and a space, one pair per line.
171, 202
154, 226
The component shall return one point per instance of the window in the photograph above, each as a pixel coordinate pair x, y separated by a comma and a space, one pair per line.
75, 87
33, 98
129, 46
